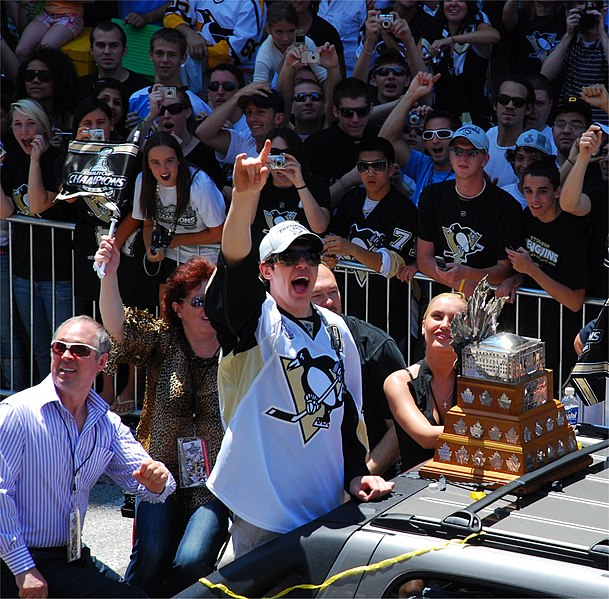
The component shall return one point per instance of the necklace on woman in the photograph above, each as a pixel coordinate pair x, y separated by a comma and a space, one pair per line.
471, 197
444, 402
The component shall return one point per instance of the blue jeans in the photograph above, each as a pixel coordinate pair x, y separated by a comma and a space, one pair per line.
44, 323
12, 347
174, 545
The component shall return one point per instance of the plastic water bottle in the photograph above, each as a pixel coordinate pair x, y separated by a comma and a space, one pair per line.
571, 404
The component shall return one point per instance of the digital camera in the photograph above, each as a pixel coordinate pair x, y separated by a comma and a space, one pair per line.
97, 135
275, 161
168, 92
309, 57
161, 238
413, 119
587, 21
385, 20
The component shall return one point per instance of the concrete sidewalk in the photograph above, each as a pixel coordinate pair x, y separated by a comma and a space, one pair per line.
105, 531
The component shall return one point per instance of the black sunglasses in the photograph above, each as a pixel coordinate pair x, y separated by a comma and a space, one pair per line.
303, 96
292, 257
359, 110
172, 108
78, 350
378, 166
198, 301
44, 75
439, 133
228, 86
504, 100
469, 153
384, 71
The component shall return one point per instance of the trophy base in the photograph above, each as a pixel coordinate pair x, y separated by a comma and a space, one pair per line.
491, 479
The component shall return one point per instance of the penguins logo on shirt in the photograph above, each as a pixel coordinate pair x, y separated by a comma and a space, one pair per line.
274, 217
316, 386
369, 239
542, 43
462, 242
22, 200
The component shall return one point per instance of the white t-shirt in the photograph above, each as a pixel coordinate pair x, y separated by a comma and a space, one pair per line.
269, 59
206, 209
498, 166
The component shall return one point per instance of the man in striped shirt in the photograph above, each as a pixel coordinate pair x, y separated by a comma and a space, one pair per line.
57, 439
582, 56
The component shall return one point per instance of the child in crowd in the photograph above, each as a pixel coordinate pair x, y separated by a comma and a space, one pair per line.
281, 25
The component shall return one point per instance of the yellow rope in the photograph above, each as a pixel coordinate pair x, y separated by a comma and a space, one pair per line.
357, 570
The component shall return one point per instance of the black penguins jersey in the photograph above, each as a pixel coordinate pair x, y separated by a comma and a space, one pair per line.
291, 403
470, 232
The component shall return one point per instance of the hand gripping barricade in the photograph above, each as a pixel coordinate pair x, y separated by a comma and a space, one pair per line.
505, 423
101, 174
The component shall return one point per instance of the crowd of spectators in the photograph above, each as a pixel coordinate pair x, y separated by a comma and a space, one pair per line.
458, 139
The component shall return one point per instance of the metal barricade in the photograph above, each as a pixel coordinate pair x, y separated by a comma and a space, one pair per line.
590, 310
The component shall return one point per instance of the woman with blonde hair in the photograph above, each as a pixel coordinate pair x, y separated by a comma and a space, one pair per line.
41, 256
420, 395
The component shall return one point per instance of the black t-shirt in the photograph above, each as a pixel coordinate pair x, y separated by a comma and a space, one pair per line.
48, 246
379, 357
559, 249
278, 204
321, 32
470, 232
392, 225
133, 83
203, 157
332, 153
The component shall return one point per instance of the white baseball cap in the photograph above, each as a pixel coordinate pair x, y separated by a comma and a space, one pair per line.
282, 235
476, 136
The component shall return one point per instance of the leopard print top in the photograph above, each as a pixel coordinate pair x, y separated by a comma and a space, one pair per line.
181, 396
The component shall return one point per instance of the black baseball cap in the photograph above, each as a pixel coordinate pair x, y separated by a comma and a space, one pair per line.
272, 100
573, 104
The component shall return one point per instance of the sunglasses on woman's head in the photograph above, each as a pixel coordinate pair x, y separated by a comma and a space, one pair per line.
504, 100
198, 301
228, 86
378, 166
44, 75
176, 108
292, 257
77, 350
384, 71
359, 110
301, 97
439, 133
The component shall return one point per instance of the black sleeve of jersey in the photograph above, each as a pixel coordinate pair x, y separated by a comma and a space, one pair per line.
384, 362
341, 219
512, 227
233, 301
321, 192
354, 452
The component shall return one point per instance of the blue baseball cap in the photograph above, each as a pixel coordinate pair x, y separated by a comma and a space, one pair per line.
476, 136
536, 140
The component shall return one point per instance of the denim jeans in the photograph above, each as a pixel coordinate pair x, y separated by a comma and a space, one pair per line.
44, 324
174, 545
12, 348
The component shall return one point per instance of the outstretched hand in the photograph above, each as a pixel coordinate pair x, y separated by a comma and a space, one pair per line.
153, 475
250, 174
422, 84
108, 254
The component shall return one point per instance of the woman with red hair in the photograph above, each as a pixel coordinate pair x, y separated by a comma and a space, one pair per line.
176, 542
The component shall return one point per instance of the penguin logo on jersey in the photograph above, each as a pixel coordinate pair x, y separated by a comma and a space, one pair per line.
462, 242
316, 386
274, 217
542, 43
369, 239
